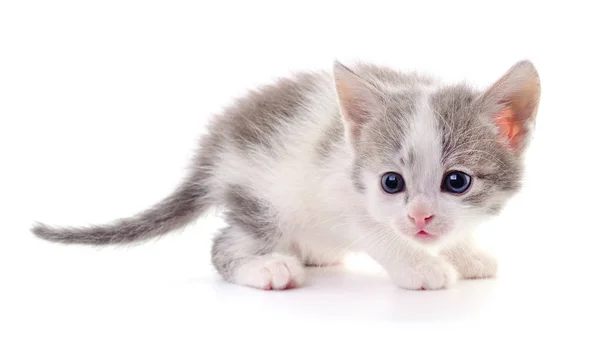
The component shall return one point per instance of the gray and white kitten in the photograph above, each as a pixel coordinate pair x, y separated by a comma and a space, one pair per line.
396, 165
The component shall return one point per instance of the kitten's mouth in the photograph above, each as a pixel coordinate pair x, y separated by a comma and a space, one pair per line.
423, 235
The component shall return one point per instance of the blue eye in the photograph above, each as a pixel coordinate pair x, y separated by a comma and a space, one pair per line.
456, 182
392, 182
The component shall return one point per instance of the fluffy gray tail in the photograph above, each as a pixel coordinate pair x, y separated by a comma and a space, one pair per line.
186, 203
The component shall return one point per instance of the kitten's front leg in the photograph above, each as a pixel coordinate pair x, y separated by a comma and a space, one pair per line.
409, 266
470, 261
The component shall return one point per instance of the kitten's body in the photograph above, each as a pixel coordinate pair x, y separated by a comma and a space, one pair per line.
296, 167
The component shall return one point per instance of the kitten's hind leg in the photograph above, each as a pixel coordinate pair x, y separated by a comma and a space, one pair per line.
245, 252
244, 259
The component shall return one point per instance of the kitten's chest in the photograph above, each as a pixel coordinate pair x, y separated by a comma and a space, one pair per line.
322, 244
326, 228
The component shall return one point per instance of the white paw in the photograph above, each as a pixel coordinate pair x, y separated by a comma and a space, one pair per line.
478, 265
433, 274
271, 272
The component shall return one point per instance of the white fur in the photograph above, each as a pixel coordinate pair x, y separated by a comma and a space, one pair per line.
271, 272
471, 261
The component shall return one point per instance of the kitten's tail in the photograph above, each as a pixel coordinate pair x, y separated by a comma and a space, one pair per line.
187, 202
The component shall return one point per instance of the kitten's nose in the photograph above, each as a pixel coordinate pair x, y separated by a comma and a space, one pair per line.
420, 219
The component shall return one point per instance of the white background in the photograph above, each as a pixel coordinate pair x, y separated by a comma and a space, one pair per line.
102, 102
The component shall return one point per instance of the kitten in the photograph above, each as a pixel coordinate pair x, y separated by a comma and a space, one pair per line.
367, 159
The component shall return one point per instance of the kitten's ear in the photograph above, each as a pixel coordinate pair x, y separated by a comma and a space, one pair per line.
358, 100
513, 103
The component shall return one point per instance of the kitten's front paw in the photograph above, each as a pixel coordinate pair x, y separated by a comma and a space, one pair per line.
433, 274
271, 272
477, 265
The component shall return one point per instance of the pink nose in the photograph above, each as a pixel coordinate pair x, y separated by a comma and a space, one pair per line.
421, 220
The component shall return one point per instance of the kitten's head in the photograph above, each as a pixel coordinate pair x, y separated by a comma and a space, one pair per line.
433, 161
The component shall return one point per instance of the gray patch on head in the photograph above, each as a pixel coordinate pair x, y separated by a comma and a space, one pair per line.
385, 134
255, 118
468, 141
382, 138
456, 117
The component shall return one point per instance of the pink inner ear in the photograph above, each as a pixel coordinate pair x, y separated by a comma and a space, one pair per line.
511, 128
353, 105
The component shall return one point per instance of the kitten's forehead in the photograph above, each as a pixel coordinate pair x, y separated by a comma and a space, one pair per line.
407, 138
426, 128
466, 138
422, 149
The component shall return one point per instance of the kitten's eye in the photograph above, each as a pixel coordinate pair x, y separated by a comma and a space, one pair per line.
456, 182
392, 182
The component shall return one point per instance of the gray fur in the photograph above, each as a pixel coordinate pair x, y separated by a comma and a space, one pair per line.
494, 209
251, 120
332, 138
471, 142
356, 173
191, 199
254, 118
478, 198
172, 213
383, 137
247, 211
252, 232
226, 255
410, 158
